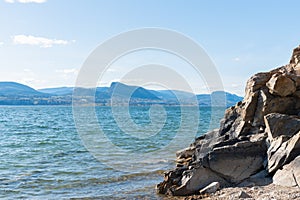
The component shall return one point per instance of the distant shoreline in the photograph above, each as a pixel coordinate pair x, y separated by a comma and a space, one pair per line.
118, 94
70, 105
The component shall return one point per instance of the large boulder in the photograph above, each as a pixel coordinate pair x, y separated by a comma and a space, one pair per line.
281, 85
239, 161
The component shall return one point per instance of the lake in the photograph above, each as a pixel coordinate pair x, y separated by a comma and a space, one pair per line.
56, 152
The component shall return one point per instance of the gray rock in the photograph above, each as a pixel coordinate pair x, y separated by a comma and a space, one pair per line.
250, 107
262, 102
238, 162
231, 114
259, 179
194, 180
206, 144
281, 124
267, 104
239, 128
290, 174
276, 144
287, 151
211, 188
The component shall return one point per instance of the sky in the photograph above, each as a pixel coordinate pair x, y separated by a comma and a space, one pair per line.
44, 43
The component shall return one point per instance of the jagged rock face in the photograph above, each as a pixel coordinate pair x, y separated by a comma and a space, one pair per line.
285, 153
280, 124
256, 137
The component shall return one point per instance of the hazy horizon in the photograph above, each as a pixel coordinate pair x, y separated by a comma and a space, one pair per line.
148, 88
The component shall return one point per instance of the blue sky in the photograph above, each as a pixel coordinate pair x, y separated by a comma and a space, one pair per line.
43, 43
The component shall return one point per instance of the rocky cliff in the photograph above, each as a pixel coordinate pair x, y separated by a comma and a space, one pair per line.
258, 141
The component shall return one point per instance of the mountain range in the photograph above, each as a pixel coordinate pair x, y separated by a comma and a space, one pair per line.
12, 93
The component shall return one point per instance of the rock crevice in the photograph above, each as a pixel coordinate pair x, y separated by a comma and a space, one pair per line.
258, 139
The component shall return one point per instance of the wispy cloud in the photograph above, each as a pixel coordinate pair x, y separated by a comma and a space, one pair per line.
38, 41
68, 71
1, 43
25, 1
236, 59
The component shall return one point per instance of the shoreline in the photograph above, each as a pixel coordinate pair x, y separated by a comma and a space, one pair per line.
270, 191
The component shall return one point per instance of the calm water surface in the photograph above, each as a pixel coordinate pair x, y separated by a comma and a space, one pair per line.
43, 156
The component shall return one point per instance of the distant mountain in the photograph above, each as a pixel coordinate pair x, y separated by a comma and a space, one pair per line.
173, 94
18, 90
116, 89
120, 90
12, 93
218, 98
58, 91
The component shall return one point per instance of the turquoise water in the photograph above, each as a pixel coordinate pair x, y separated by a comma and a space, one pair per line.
43, 155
